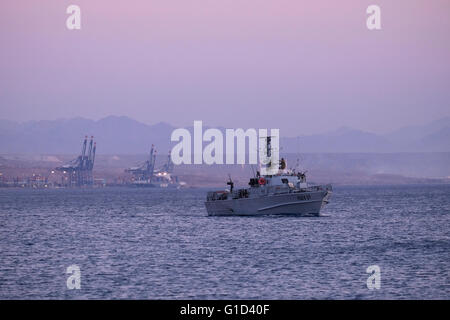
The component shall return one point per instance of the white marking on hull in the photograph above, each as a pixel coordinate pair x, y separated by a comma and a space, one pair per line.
287, 204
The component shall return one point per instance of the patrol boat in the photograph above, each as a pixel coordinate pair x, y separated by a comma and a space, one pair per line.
285, 193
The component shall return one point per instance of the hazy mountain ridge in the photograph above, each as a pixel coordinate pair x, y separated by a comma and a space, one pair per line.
123, 135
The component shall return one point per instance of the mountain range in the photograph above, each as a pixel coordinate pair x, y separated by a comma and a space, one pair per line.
123, 135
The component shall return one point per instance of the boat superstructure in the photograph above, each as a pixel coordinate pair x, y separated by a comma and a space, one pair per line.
284, 193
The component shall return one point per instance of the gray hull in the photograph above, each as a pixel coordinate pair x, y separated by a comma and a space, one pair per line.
302, 203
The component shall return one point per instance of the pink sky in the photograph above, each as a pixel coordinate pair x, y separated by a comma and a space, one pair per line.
301, 67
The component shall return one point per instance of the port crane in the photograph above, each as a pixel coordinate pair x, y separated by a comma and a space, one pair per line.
147, 173
79, 170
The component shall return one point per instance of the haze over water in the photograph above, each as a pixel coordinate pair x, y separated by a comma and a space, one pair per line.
134, 243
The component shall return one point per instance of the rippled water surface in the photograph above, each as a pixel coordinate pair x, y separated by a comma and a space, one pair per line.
154, 243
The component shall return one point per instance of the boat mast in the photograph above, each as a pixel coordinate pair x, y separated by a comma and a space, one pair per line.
269, 166
269, 150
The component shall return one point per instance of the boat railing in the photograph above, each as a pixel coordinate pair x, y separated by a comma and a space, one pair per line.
240, 193
317, 188
217, 195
